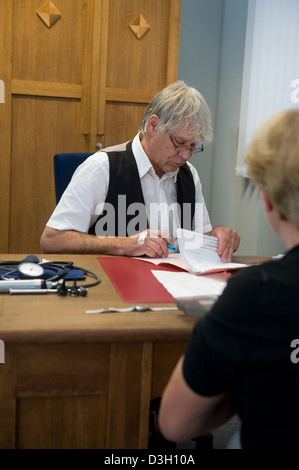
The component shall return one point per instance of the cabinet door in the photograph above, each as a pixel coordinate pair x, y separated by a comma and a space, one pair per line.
140, 54
76, 75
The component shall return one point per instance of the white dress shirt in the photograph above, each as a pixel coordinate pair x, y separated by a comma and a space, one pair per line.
78, 208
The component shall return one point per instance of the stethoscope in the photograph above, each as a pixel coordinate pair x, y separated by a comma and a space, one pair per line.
31, 277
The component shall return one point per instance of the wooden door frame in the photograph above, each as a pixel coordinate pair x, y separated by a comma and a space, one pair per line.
5, 119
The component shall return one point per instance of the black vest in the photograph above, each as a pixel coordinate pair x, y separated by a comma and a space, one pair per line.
124, 211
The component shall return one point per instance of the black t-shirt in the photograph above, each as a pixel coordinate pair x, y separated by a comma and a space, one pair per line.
243, 347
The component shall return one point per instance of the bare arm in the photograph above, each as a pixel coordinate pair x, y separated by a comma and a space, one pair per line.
229, 241
185, 415
70, 241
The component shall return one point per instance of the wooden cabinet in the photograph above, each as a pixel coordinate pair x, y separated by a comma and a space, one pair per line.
76, 74
76, 381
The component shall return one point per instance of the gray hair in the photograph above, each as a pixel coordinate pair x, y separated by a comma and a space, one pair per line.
179, 106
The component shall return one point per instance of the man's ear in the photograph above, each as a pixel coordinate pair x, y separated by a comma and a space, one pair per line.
152, 125
268, 206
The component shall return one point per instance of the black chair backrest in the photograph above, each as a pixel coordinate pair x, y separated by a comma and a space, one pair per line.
65, 165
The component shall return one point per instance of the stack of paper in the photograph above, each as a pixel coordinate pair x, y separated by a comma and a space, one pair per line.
187, 285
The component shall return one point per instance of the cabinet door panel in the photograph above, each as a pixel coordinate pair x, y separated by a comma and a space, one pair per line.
49, 107
55, 124
142, 62
75, 75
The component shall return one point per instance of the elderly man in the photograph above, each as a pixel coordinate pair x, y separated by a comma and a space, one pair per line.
147, 176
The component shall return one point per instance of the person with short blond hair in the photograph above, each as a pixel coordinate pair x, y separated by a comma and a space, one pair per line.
242, 357
273, 166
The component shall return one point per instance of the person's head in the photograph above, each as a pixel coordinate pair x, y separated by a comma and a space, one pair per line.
176, 124
179, 106
273, 163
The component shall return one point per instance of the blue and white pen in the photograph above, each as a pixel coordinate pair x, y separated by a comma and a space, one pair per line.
170, 247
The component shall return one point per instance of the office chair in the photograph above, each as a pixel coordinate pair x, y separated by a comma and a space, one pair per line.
64, 166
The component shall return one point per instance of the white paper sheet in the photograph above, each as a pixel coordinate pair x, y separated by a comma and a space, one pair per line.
187, 285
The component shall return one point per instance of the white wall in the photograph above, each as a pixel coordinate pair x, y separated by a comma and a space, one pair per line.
211, 59
199, 62
271, 67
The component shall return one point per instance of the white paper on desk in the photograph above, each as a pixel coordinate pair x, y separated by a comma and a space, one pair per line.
187, 285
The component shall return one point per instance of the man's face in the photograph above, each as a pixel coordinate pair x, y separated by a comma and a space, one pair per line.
168, 152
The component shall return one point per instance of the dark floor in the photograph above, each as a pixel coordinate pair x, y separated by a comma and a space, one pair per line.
217, 439
221, 436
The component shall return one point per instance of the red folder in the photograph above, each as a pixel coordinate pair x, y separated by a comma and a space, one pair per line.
134, 281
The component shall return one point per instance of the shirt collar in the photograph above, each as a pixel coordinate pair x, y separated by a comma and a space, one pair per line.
143, 163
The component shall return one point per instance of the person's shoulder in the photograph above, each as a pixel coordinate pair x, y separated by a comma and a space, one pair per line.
192, 168
115, 148
244, 281
253, 273
101, 156
194, 173
284, 270
240, 296
266, 271
93, 166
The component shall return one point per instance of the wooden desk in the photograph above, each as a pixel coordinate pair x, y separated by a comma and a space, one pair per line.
72, 380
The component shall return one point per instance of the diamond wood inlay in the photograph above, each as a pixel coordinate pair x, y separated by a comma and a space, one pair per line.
139, 26
48, 13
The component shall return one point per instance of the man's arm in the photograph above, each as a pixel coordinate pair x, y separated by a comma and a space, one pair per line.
185, 415
229, 241
70, 241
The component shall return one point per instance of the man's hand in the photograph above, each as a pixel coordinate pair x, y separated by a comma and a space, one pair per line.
228, 242
152, 243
